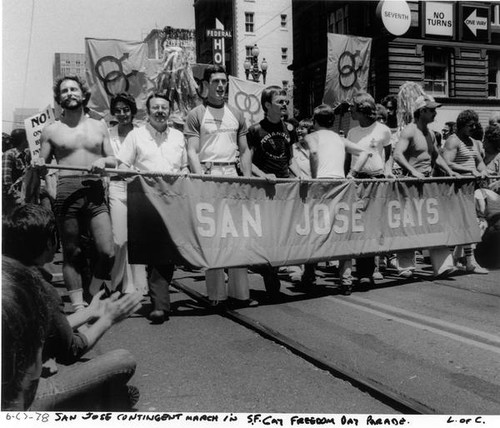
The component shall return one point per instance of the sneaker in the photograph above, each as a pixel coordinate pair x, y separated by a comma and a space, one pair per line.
405, 273
377, 276
365, 282
133, 395
446, 272
475, 268
393, 263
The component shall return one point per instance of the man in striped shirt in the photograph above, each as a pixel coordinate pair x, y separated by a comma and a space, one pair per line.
462, 154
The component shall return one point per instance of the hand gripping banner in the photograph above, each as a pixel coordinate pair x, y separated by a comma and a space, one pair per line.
222, 222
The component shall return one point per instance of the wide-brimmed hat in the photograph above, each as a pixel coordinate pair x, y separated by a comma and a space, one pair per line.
425, 101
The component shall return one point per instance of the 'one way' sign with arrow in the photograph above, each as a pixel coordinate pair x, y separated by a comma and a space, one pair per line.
475, 23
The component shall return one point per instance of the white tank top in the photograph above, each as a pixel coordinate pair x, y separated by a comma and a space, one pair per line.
331, 154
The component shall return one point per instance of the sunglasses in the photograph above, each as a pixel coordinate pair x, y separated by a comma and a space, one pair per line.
122, 110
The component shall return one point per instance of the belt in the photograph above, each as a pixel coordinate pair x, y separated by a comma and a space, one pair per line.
116, 178
209, 164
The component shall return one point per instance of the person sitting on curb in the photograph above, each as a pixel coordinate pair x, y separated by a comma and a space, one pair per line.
29, 235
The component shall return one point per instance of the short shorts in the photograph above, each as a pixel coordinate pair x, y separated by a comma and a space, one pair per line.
80, 195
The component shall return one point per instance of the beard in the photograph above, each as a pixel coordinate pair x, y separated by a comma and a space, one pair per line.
72, 103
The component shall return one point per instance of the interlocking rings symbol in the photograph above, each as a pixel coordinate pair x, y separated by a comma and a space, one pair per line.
109, 70
251, 103
348, 67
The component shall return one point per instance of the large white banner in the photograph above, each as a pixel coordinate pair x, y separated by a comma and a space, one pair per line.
244, 95
347, 68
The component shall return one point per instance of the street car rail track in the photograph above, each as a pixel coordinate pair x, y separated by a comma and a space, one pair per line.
383, 393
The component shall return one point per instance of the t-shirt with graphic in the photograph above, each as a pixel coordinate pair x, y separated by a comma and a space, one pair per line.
218, 128
271, 144
373, 138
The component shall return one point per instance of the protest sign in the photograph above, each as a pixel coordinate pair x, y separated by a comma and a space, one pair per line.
34, 126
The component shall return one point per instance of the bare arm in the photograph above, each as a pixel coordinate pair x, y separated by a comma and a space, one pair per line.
389, 161
193, 148
312, 145
114, 309
399, 150
449, 154
108, 160
352, 148
109, 156
46, 152
480, 165
245, 156
444, 166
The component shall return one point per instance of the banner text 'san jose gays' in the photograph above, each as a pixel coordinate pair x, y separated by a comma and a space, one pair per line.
226, 222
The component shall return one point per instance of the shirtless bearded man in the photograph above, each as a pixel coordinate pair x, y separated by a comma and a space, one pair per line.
77, 140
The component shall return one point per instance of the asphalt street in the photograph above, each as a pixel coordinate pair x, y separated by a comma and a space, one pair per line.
434, 342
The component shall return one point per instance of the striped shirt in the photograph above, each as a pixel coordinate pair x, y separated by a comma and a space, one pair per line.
466, 155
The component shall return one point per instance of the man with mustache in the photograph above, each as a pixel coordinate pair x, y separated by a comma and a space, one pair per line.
270, 142
79, 141
156, 147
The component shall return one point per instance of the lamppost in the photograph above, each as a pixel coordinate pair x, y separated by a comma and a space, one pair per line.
252, 67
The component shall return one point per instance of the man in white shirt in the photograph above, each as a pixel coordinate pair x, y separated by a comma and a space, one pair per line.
375, 138
156, 147
215, 133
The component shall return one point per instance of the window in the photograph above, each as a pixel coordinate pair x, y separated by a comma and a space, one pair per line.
249, 23
436, 71
494, 74
283, 21
495, 15
284, 54
338, 21
248, 50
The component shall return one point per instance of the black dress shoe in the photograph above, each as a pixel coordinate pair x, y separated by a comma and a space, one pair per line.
158, 316
239, 304
346, 289
217, 306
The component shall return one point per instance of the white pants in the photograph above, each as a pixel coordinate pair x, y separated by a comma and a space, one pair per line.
132, 277
238, 285
441, 259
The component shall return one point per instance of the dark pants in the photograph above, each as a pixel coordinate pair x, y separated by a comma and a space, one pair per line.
159, 281
271, 279
365, 267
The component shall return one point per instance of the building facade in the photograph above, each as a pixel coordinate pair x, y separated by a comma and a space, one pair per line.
158, 40
22, 113
451, 48
265, 23
68, 64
